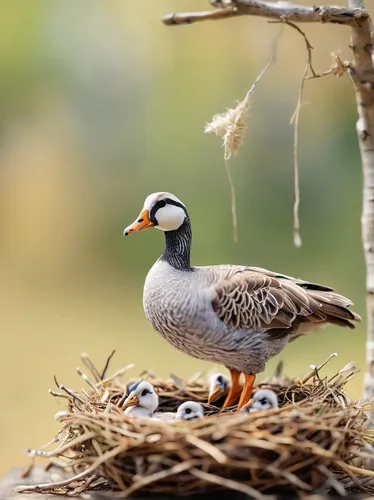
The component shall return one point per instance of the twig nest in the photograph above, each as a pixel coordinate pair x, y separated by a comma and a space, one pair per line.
314, 439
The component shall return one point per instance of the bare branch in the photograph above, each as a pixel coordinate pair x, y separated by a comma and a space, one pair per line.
102, 376
274, 10
193, 17
309, 47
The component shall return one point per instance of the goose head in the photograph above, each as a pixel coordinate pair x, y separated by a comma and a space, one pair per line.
142, 400
219, 385
263, 399
190, 410
132, 387
163, 211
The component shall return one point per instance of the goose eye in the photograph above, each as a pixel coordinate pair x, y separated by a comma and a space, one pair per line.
264, 401
161, 203
145, 392
188, 410
219, 379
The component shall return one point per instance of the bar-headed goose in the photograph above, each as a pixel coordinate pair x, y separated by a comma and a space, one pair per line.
190, 410
237, 316
142, 400
219, 386
263, 399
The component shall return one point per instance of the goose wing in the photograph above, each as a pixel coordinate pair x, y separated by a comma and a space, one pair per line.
257, 299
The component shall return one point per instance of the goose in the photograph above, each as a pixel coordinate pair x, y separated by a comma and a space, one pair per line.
130, 388
142, 400
190, 410
236, 316
263, 399
219, 386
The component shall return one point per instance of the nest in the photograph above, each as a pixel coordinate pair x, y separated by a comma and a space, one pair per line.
314, 442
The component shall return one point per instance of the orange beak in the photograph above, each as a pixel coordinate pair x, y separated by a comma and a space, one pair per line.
141, 224
131, 401
216, 393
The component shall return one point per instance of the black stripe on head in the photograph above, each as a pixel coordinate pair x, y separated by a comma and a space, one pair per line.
132, 387
161, 204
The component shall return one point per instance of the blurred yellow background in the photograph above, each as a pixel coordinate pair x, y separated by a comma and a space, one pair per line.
101, 104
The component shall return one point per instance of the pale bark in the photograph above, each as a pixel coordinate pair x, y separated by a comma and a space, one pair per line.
275, 10
362, 75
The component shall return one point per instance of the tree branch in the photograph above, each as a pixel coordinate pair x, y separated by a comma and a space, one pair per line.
362, 42
354, 16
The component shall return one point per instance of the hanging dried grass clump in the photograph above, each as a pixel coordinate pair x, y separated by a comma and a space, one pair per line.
313, 441
231, 126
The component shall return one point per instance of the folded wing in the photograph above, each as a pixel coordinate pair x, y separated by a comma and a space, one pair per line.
257, 299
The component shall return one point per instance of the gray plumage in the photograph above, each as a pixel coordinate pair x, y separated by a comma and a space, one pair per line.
237, 316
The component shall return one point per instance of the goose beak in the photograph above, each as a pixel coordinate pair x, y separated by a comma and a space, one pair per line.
141, 224
131, 401
215, 393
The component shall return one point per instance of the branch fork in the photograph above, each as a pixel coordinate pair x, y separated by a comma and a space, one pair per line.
274, 10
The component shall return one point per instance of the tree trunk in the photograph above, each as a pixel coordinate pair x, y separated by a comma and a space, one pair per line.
363, 78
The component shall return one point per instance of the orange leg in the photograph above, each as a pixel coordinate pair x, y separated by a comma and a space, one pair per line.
247, 391
232, 396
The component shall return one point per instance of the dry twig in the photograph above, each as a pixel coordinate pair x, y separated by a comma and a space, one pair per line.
102, 376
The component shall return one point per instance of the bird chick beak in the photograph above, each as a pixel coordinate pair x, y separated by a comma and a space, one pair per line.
131, 401
141, 224
215, 393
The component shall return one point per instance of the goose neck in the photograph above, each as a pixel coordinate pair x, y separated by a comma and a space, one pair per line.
178, 246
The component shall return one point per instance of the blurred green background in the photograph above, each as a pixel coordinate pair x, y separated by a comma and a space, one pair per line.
101, 104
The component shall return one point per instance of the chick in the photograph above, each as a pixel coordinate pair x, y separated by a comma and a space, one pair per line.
142, 400
190, 410
263, 399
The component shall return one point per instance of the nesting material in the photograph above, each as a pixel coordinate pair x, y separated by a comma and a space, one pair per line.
313, 442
